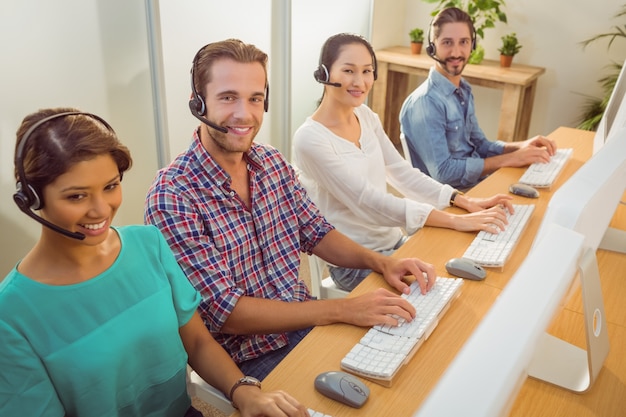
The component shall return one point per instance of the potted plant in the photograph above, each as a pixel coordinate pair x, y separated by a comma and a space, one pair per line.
484, 14
510, 47
595, 107
417, 39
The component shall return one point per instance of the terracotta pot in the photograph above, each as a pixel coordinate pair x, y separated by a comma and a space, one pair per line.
416, 48
506, 60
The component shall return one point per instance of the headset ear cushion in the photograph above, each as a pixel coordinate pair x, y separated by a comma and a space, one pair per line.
197, 106
321, 74
430, 49
26, 200
316, 74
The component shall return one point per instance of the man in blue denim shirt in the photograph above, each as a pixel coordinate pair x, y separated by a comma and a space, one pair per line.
438, 119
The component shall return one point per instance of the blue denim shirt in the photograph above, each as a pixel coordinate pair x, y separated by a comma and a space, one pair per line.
442, 133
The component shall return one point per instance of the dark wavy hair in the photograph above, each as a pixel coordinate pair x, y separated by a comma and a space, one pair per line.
56, 145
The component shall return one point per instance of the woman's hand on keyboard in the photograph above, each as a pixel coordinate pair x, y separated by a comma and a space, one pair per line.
378, 307
474, 204
492, 220
275, 404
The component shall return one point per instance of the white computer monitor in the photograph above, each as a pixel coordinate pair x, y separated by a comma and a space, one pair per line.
586, 202
613, 106
510, 343
484, 378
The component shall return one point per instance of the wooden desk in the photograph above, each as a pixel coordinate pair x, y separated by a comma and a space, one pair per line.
395, 64
323, 349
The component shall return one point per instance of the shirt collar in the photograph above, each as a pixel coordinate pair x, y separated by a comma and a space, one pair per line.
213, 169
444, 85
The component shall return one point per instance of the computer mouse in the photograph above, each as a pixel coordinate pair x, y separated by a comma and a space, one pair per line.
342, 387
524, 190
465, 268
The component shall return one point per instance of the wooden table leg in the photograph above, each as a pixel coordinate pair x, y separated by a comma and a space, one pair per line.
397, 92
527, 111
510, 112
378, 95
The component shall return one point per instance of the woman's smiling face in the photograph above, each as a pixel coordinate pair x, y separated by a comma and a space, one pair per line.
86, 198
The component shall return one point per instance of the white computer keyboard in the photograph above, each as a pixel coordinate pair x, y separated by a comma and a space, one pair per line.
543, 175
383, 350
313, 413
494, 249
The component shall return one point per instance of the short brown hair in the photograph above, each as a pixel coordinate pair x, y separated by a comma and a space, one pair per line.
56, 145
451, 15
230, 48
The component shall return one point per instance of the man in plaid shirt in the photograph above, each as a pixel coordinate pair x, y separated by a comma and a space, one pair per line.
237, 218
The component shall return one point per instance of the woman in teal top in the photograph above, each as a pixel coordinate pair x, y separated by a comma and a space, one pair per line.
99, 320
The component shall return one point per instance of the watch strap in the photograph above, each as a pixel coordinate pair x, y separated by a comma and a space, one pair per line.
246, 380
453, 196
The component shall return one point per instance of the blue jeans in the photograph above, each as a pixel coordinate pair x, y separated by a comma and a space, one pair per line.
260, 367
348, 278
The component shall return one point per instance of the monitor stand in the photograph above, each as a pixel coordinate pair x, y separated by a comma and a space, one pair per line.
614, 240
568, 366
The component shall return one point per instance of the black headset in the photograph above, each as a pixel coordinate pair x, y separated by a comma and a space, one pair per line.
26, 196
321, 74
197, 104
431, 49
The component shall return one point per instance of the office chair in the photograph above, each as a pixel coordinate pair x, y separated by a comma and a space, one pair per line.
322, 288
197, 387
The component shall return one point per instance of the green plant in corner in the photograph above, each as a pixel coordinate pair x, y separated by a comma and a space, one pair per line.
416, 35
510, 45
594, 107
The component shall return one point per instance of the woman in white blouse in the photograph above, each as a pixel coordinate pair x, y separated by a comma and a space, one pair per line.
345, 160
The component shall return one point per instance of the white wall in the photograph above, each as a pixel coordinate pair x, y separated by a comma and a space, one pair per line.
550, 32
88, 54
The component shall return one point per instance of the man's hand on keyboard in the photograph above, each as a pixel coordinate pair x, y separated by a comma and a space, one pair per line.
537, 149
541, 142
378, 307
394, 270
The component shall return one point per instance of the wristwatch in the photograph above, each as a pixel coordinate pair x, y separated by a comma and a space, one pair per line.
453, 196
246, 380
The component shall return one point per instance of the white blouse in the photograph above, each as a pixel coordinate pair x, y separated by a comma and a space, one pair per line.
349, 185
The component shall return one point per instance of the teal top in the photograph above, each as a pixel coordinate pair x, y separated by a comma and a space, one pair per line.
108, 346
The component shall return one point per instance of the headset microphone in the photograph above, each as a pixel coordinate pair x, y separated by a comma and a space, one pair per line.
321, 76
329, 83
25, 195
197, 104
321, 73
431, 49
433, 56
193, 106
23, 205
